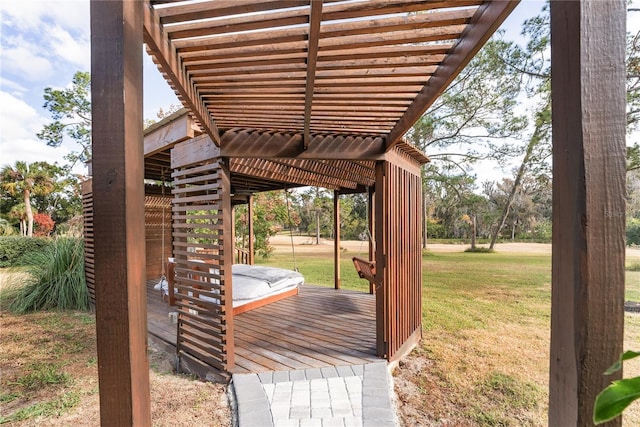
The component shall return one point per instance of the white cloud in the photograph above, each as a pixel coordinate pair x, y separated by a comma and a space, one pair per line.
18, 141
23, 60
69, 48
72, 15
15, 88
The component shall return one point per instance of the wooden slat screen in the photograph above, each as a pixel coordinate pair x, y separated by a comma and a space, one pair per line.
399, 260
87, 213
205, 334
157, 222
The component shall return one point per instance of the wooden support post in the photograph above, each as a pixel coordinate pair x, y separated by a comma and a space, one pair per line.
372, 232
252, 239
226, 262
588, 103
380, 257
336, 240
118, 190
237, 254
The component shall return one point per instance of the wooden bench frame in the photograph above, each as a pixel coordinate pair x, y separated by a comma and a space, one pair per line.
366, 270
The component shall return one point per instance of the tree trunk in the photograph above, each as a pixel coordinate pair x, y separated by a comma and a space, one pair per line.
29, 212
425, 220
473, 231
533, 142
317, 227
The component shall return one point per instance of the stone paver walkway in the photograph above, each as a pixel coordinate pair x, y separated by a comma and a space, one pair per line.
343, 396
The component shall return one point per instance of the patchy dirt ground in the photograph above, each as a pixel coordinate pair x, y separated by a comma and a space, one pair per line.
48, 376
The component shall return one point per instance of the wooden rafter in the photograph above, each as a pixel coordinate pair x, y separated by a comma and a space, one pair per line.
483, 25
165, 53
315, 17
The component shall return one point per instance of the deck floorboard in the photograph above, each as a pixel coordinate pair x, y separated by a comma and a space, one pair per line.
318, 327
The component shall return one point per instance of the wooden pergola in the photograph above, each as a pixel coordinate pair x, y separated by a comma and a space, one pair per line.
327, 89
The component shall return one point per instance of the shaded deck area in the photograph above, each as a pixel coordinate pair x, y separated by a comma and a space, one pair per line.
319, 327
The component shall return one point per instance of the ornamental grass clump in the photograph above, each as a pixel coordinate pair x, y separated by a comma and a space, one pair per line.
54, 279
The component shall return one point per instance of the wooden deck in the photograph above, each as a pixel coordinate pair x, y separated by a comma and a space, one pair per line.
319, 327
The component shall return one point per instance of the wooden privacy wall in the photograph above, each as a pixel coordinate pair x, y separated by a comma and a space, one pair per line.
87, 214
157, 224
201, 220
398, 255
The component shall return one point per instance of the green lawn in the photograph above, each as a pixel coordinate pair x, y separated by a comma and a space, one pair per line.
484, 355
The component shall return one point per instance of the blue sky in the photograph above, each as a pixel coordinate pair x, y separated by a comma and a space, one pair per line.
43, 43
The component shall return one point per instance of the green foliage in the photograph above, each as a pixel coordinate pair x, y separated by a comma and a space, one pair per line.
270, 215
633, 231
16, 251
51, 408
614, 399
70, 109
42, 374
55, 280
22, 181
6, 229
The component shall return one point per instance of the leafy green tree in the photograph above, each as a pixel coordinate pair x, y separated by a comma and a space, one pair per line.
70, 109
269, 217
474, 119
26, 179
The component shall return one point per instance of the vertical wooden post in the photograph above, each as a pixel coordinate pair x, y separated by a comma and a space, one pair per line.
226, 262
237, 255
252, 239
372, 231
588, 104
336, 240
381, 259
118, 189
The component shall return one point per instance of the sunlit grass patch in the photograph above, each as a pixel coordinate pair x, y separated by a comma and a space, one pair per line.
55, 407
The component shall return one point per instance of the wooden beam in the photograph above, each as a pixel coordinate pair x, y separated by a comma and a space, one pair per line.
164, 137
371, 224
118, 191
195, 11
243, 143
193, 151
166, 55
486, 21
251, 230
587, 302
315, 18
228, 253
336, 239
380, 257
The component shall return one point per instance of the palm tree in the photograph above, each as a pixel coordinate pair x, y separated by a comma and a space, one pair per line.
27, 179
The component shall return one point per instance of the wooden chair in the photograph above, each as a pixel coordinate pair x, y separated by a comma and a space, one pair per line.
366, 270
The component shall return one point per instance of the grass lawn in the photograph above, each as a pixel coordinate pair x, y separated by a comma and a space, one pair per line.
484, 357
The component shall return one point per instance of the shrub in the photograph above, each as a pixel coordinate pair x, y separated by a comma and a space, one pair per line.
44, 224
55, 279
479, 250
14, 250
633, 231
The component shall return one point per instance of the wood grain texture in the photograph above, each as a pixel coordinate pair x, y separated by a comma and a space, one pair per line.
118, 213
336, 240
398, 259
587, 312
318, 327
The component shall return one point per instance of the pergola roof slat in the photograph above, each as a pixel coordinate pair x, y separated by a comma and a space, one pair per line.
361, 68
